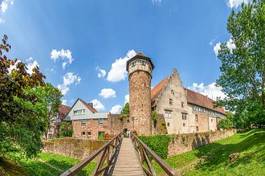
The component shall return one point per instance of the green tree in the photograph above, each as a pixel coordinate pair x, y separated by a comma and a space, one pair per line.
227, 122
24, 106
53, 97
125, 110
242, 65
66, 129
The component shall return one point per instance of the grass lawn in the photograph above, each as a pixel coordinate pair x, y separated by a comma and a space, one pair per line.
213, 159
46, 164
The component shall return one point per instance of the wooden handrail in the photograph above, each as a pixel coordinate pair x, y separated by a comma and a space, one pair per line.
114, 143
147, 152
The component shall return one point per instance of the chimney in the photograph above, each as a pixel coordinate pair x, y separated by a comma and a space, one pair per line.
90, 104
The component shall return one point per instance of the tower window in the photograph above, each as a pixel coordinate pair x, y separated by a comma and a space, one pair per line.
184, 124
197, 128
168, 124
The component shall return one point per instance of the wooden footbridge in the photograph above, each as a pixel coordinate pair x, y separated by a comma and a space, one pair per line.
123, 156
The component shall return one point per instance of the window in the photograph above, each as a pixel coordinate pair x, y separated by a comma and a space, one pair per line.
83, 133
79, 111
100, 121
83, 123
172, 92
196, 117
170, 101
182, 104
133, 64
128, 121
101, 135
168, 113
143, 63
197, 128
211, 120
168, 124
184, 124
89, 133
184, 116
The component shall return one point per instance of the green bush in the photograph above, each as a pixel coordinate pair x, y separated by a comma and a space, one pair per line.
226, 123
66, 129
159, 144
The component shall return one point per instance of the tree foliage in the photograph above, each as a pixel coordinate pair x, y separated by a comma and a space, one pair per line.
227, 122
242, 65
24, 102
125, 110
66, 129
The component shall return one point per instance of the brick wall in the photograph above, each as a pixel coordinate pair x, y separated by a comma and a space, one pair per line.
186, 142
72, 147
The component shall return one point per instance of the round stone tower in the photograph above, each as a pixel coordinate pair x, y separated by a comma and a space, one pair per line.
140, 70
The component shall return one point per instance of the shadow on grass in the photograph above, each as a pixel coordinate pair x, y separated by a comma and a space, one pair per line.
10, 168
53, 167
216, 153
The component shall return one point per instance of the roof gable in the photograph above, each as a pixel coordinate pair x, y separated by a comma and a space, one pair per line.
192, 97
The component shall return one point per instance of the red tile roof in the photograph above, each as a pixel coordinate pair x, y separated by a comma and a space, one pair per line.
192, 97
202, 100
158, 88
89, 106
63, 111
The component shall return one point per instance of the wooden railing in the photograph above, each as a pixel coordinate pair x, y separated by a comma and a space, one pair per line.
146, 156
108, 154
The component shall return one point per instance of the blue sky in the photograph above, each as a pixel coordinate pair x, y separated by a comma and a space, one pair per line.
81, 45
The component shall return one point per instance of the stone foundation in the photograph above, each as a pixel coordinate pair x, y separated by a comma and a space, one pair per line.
72, 147
186, 142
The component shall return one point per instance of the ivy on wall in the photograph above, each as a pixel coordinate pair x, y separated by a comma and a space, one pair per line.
159, 144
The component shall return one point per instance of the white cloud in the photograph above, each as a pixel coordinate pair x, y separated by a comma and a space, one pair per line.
118, 68
64, 102
156, 1
236, 3
216, 48
64, 55
116, 109
31, 64
13, 66
68, 79
211, 90
126, 99
98, 105
230, 45
4, 5
107, 93
101, 72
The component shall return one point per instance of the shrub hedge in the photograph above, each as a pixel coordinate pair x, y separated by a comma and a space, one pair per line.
158, 143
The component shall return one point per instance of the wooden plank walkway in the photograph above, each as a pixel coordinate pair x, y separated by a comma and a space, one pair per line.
127, 163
